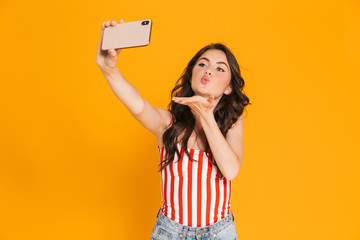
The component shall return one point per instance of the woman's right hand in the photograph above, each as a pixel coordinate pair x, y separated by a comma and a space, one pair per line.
107, 59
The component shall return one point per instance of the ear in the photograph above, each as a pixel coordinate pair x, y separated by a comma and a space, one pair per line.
228, 90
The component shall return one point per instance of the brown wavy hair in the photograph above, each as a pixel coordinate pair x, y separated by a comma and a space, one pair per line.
226, 113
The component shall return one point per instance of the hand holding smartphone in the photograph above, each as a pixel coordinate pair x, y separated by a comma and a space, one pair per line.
126, 35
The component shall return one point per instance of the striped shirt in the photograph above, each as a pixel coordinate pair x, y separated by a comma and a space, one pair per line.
192, 192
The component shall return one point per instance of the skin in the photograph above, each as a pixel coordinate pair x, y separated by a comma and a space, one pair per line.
214, 64
228, 151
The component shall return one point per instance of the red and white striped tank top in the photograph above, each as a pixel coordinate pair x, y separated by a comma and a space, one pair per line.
192, 192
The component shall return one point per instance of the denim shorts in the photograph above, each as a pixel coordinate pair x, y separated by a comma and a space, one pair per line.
167, 229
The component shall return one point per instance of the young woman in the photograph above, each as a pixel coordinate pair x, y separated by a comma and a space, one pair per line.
200, 139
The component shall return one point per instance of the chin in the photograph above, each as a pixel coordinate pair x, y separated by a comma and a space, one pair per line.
202, 93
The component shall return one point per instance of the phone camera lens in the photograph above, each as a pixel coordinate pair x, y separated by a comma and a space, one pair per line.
145, 23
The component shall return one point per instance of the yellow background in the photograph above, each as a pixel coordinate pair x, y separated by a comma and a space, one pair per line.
76, 165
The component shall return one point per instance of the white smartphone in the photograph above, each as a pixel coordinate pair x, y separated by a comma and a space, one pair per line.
128, 34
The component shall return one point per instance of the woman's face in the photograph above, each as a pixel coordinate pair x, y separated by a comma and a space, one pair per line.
211, 74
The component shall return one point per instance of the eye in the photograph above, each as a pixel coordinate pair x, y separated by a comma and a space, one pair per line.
221, 70
202, 64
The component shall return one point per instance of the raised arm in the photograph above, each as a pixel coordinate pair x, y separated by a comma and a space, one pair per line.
155, 120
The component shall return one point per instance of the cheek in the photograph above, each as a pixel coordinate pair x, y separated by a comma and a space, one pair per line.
224, 79
196, 71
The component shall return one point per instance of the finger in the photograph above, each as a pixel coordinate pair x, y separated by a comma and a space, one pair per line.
184, 102
113, 23
180, 98
122, 21
179, 101
112, 52
190, 99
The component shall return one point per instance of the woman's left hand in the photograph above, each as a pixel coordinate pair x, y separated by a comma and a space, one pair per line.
198, 104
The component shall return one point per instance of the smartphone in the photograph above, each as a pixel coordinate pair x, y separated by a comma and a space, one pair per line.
128, 34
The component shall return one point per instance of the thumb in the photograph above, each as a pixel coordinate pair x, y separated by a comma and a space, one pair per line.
112, 52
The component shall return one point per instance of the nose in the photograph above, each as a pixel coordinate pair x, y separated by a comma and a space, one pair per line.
207, 72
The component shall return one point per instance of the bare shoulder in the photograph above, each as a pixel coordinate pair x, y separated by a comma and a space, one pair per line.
238, 125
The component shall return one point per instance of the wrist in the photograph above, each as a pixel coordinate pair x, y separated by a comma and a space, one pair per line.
207, 117
109, 70
110, 73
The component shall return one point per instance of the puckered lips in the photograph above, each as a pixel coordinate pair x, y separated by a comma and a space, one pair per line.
205, 79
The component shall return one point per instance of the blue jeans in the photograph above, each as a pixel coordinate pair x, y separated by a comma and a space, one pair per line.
167, 229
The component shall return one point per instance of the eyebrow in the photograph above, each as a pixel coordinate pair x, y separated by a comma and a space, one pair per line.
209, 61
